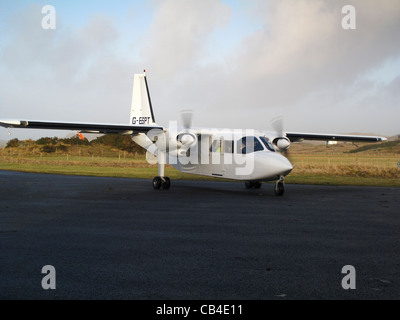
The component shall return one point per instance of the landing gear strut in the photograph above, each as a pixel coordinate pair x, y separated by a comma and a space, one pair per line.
279, 187
161, 182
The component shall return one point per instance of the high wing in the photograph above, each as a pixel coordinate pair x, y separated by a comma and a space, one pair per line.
298, 136
82, 127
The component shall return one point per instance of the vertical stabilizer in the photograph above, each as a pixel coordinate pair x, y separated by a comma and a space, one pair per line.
141, 108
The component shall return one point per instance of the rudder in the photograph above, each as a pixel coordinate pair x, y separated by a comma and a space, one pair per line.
141, 108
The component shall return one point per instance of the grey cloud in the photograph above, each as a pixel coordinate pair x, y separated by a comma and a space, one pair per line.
304, 65
179, 33
68, 74
301, 64
303, 47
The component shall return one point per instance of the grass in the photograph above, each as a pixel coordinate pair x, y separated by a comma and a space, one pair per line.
346, 169
105, 167
322, 169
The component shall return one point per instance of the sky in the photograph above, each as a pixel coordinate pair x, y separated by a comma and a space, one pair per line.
235, 63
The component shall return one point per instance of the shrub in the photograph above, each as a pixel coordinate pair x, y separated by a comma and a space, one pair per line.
124, 143
75, 141
13, 143
48, 148
47, 140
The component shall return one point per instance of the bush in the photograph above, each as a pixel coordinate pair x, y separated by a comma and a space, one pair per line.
13, 143
48, 148
124, 143
75, 141
62, 148
47, 140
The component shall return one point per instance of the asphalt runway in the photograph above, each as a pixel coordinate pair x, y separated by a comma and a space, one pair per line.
116, 238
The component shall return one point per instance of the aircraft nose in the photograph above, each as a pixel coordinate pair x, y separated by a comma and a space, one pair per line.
286, 166
280, 165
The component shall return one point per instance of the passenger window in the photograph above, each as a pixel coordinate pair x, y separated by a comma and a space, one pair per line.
228, 146
216, 146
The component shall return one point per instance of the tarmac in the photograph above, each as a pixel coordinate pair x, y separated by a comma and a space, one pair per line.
118, 238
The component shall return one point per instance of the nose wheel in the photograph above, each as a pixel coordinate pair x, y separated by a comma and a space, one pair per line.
279, 187
161, 183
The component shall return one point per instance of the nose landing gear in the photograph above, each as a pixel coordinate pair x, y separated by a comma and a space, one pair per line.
280, 187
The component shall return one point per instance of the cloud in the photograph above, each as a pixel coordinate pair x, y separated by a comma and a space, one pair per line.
67, 74
302, 61
299, 63
179, 34
303, 48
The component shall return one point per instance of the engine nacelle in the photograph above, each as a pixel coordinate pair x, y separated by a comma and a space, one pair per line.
186, 139
282, 143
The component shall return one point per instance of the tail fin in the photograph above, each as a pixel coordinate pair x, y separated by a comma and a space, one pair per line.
141, 109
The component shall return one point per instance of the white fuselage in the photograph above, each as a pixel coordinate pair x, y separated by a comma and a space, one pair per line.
232, 154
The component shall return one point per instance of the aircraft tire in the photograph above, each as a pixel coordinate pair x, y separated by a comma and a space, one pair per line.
248, 184
279, 189
157, 183
257, 185
166, 184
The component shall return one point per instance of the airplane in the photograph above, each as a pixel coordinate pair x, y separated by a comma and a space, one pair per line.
248, 155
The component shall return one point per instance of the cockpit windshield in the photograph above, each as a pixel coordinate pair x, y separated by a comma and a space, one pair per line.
248, 145
267, 144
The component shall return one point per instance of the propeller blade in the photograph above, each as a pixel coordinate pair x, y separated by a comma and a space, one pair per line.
187, 116
283, 145
277, 124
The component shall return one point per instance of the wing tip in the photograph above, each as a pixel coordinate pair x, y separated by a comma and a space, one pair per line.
9, 123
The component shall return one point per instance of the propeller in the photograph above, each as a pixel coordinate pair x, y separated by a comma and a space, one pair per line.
281, 141
186, 136
277, 124
187, 117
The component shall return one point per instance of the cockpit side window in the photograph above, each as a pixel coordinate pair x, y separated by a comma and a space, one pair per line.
248, 145
267, 143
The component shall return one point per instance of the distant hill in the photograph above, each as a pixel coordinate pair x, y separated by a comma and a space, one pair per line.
3, 143
384, 147
394, 138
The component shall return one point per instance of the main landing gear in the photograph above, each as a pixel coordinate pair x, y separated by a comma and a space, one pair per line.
252, 184
161, 183
279, 188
